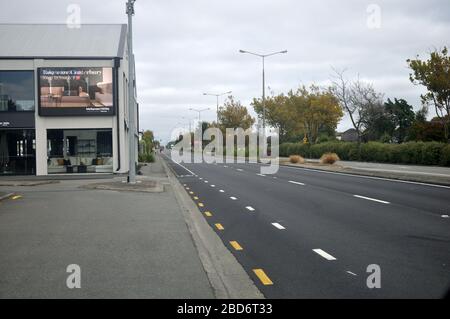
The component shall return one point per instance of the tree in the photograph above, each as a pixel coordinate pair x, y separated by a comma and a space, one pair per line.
148, 141
356, 97
313, 110
376, 123
278, 115
434, 74
302, 112
402, 116
234, 115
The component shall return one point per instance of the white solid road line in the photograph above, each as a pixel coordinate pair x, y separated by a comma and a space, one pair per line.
367, 177
277, 225
372, 199
351, 273
250, 208
297, 183
324, 254
233, 198
262, 175
191, 172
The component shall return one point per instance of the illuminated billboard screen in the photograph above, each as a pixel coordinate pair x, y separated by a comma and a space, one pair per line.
76, 91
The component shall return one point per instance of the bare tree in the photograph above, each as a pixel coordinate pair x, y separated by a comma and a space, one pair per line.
355, 97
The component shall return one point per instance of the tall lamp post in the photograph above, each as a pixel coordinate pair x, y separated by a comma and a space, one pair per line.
217, 99
199, 111
264, 56
131, 97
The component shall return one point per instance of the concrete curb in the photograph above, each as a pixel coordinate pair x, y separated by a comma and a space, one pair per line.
387, 175
227, 277
6, 196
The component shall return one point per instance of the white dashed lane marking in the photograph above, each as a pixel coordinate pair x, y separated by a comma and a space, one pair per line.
233, 198
324, 254
372, 199
277, 225
250, 208
296, 183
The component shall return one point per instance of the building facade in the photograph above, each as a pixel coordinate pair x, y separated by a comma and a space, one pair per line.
64, 99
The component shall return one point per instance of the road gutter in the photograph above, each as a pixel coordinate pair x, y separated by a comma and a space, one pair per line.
227, 277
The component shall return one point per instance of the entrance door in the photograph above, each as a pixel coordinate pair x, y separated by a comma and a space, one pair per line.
17, 152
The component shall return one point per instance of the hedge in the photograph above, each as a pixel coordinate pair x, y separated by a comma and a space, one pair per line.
420, 153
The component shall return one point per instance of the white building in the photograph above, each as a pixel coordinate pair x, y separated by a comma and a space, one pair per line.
64, 99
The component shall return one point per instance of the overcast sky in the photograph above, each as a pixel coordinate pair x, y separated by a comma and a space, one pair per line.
186, 47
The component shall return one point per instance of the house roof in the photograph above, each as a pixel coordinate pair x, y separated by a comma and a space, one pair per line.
60, 41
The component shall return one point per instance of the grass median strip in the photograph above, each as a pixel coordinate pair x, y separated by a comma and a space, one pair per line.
265, 280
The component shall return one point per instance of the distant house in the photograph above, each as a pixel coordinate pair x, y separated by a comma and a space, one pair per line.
351, 135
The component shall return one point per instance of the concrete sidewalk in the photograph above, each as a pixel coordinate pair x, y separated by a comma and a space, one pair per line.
128, 244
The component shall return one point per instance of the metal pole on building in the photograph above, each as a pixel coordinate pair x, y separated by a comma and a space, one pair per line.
131, 97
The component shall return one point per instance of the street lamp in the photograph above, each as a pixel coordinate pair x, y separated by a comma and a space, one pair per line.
189, 120
217, 97
199, 111
263, 56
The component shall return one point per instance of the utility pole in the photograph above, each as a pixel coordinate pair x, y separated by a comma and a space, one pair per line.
131, 97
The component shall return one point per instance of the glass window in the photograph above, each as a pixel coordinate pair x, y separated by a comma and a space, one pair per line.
16, 91
79, 151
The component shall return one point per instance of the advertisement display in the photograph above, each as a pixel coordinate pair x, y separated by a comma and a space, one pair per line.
76, 91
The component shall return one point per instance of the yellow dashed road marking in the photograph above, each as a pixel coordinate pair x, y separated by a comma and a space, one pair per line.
236, 245
219, 227
265, 280
192, 193
208, 214
16, 197
201, 205
195, 197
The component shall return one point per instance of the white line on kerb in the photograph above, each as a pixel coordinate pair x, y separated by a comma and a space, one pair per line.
372, 199
250, 208
324, 254
297, 183
277, 225
233, 198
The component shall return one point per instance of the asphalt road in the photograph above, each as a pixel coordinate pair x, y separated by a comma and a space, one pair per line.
309, 234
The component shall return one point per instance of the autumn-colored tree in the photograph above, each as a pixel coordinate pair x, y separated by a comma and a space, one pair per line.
234, 115
314, 109
434, 74
278, 115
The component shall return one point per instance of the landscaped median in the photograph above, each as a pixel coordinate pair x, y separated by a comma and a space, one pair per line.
414, 153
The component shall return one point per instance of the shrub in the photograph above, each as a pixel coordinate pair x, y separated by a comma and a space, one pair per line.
296, 159
445, 156
329, 158
146, 158
418, 153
